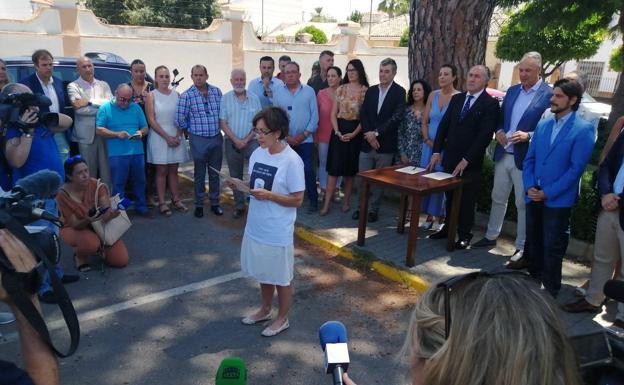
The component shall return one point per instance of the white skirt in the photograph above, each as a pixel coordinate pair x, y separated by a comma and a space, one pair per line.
272, 265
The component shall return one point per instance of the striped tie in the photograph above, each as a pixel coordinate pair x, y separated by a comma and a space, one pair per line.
464, 110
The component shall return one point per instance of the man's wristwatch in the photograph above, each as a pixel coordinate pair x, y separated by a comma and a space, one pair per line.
306, 133
376, 133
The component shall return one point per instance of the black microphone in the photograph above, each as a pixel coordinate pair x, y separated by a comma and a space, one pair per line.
614, 289
333, 338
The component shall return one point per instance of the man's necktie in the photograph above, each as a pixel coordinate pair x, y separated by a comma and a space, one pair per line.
464, 110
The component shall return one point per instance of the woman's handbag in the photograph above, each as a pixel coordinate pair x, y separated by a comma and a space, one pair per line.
110, 232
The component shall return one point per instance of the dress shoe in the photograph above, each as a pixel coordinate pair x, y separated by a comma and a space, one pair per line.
268, 332
356, 215
48, 297
581, 306
484, 242
520, 264
312, 208
70, 278
462, 244
238, 213
216, 210
199, 212
439, 234
516, 256
373, 216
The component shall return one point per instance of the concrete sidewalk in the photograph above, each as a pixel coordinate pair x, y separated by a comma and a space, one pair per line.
384, 251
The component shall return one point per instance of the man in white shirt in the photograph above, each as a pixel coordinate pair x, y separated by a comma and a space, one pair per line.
87, 94
42, 82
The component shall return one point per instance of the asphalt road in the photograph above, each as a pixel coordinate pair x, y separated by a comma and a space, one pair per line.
174, 313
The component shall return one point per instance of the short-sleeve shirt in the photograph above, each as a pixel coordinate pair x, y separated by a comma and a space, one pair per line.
239, 115
43, 154
268, 222
131, 120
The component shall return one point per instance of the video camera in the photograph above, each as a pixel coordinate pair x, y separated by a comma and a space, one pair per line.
19, 208
13, 106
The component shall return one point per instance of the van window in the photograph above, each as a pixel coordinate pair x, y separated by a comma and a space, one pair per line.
113, 76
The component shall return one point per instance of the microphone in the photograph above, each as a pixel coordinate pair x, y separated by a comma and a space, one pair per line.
231, 371
333, 338
42, 184
614, 289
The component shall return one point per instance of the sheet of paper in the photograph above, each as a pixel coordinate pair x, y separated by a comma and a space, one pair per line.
410, 170
438, 175
240, 185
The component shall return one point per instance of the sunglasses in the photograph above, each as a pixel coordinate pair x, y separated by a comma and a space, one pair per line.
454, 282
123, 100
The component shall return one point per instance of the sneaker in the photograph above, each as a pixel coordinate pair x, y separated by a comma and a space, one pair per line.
517, 255
484, 242
427, 225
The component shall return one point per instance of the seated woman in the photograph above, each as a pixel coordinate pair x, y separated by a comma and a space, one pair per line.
482, 328
75, 199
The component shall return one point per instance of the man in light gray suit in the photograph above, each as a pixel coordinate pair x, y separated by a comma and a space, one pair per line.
87, 94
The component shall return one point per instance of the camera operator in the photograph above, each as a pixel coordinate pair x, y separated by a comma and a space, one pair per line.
30, 147
38, 359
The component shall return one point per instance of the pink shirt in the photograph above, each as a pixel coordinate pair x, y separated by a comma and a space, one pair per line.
325, 102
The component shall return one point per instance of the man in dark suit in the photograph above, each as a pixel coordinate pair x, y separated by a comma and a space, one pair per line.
522, 108
42, 82
464, 133
380, 115
558, 154
609, 233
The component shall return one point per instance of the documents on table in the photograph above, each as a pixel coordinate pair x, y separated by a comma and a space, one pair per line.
438, 175
240, 185
410, 170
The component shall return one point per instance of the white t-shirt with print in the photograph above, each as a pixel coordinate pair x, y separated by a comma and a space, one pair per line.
268, 222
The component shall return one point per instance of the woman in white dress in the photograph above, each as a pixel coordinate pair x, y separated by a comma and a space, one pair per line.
165, 143
277, 187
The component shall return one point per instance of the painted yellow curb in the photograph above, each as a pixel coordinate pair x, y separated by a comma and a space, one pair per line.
387, 270
391, 272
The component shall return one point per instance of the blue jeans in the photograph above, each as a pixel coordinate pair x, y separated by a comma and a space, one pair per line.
306, 152
129, 167
206, 152
49, 205
548, 233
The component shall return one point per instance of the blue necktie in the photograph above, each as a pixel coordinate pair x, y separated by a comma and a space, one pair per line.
464, 110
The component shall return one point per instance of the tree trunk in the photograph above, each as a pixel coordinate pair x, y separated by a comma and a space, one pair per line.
617, 101
447, 31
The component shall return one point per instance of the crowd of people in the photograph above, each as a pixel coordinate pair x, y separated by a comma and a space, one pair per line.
333, 127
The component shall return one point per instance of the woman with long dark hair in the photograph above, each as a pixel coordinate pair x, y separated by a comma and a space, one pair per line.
346, 139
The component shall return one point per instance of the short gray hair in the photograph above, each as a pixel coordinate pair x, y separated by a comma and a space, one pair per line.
389, 61
579, 76
122, 86
239, 71
535, 56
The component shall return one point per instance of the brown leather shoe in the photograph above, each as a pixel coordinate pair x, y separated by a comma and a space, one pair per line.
520, 264
581, 306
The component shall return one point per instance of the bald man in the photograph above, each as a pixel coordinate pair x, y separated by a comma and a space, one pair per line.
463, 135
238, 108
122, 122
87, 94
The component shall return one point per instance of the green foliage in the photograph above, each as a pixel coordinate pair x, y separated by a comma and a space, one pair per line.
538, 27
319, 17
394, 7
603, 134
318, 36
356, 16
197, 14
280, 38
616, 61
404, 42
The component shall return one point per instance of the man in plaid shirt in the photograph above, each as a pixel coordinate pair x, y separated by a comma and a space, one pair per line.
197, 113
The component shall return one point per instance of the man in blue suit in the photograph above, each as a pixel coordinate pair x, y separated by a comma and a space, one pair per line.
523, 107
42, 82
559, 151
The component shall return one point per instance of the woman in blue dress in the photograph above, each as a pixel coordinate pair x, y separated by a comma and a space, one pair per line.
437, 103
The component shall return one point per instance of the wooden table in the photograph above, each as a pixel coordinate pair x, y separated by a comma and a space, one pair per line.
416, 186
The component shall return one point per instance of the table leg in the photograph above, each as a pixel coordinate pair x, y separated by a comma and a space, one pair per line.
410, 258
402, 210
363, 212
452, 231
